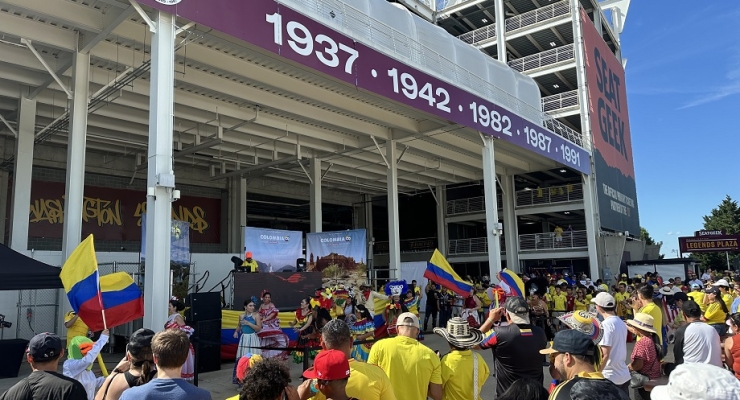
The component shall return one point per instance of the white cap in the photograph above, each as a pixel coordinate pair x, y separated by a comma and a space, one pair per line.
698, 381
604, 299
721, 282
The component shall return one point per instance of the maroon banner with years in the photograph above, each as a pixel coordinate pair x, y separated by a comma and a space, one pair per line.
115, 214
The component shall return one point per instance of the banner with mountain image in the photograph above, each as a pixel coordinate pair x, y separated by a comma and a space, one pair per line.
274, 250
340, 256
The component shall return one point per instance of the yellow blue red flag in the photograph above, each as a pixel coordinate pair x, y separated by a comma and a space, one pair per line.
440, 271
511, 283
90, 294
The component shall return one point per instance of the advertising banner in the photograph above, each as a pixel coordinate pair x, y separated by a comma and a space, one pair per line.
709, 244
610, 130
274, 250
339, 256
277, 28
117, 214
179, 241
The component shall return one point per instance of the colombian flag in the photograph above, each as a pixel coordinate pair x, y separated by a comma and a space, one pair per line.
90, 294
510, 282
440, 271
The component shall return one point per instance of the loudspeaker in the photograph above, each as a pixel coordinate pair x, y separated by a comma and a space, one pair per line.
207, 338
204, 306
300, 265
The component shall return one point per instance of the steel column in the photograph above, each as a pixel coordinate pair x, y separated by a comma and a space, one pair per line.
315, 201
76, 143
394, 238
22, 174
237, 213
511, 230
592, 227
492, 224
441, 197
500, 14
4, 189
160, 176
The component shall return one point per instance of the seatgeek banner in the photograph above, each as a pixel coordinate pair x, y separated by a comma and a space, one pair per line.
274, 27
610, 130
274, 250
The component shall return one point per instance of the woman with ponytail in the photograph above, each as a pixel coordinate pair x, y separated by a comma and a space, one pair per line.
732, 345
137, 368
716, 312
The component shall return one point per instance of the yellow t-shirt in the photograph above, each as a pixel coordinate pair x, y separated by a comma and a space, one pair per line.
714, 314
77, 329
728, 298
559, 302
698, 297
457, 375
410, 366
252, 265
620, 297
589, 297
484, 301
654, 311
581, 305
366, 382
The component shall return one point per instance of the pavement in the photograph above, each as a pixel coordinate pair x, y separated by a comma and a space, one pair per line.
220, 386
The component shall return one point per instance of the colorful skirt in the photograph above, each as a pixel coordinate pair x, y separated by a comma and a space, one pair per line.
188, 369
275, 339
361, 352
249, 343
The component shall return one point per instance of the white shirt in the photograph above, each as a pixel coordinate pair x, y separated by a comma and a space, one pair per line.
615, 337
706, 277
697, 281
77, 369
701, 344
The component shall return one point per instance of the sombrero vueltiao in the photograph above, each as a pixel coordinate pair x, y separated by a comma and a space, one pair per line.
586, 322
460, 334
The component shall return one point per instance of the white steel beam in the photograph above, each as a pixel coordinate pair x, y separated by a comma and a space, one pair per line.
160, 174
64, 65
102, 35
47, 67
511, 231
500, 31
394, 232
315, 212
493, 232
441, 197
22, 175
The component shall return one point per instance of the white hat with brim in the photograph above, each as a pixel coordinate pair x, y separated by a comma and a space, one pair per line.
460, 334
698, 381
721, 282
643, 322
666, 291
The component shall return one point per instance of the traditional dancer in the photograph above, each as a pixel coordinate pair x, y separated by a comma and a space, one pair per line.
249, 324
175, 321
270, 335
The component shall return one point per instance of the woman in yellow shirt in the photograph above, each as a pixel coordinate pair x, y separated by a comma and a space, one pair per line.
581, 304
716, 311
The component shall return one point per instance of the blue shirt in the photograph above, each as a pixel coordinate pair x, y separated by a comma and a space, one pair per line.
166, 389
246, 328
735, 307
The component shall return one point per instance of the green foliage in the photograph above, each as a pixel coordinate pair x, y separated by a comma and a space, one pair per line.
645, 237
725, 217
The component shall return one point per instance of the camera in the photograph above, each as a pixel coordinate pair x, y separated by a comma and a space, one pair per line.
4, 323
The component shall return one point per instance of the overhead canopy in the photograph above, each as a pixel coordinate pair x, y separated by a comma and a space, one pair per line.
20, 272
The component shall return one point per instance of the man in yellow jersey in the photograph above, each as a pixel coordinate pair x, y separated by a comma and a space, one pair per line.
249, 264
698, 296
558, 307
646, 304
75, 326
620, 297
463, 371
366, 381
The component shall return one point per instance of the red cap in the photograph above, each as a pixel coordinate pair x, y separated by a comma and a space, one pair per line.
249, 254
329, 365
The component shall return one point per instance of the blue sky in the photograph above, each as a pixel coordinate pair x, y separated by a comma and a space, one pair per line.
683, 88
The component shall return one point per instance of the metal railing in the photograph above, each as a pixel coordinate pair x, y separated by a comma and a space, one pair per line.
488, 32
551, 195
538, 15
470, 205
543, 59
459, 247
560, 101
360, 26
480, 35
408, 246
552, 241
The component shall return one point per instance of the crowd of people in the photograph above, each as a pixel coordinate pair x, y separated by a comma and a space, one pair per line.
577, 328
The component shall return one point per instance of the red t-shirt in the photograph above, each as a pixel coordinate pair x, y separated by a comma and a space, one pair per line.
470, 302
570, 303
645, 350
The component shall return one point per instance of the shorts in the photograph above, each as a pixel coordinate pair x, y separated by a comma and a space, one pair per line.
555, 315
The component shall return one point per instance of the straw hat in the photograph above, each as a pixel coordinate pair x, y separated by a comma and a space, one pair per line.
585, 322
643, 322
460, 334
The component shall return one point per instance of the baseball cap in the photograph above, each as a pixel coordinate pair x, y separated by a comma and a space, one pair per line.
573, 342
329, 365
414, 323
695, 286
604, 299
712, 290
698, 381
45, 347
721, 282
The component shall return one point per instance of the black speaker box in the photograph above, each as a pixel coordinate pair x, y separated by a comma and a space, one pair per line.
207, 338
204, 306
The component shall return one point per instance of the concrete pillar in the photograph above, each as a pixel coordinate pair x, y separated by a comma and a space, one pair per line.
394, 234
492, 224
511, 230
160, 175
237, 214
500, 14
315, 201
4, 192
22, 175
592, 225
367, 201
441, 193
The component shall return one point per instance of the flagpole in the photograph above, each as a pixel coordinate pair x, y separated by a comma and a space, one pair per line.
101, 363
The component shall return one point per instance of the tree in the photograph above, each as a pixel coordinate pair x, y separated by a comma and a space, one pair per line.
725, 217
649, 241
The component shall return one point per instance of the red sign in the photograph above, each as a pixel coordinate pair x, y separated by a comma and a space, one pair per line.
115, 214
709, 244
